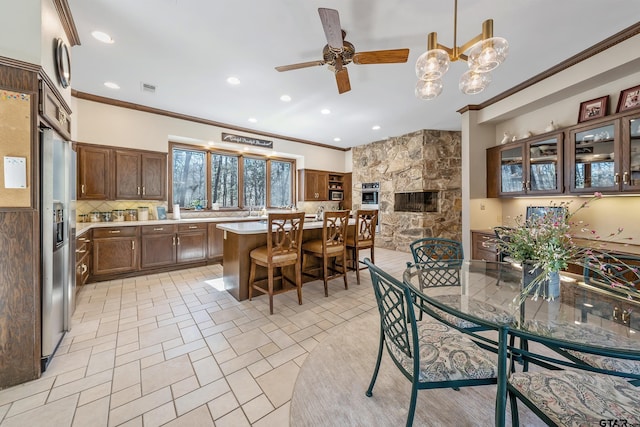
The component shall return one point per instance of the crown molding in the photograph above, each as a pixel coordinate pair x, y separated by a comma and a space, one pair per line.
66, 19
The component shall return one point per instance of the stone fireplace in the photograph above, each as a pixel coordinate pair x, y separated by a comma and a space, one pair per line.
421, 170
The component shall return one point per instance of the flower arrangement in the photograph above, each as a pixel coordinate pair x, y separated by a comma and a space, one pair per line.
546, 242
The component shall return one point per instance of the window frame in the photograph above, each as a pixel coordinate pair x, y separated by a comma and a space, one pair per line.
208, 151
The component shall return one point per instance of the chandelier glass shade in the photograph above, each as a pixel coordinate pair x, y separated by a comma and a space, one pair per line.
485, 53
428, 89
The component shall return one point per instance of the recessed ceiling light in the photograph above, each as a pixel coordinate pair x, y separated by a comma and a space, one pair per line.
336, 139
325, 111
376, 127
101, 36
253, 120
285, 98
111, 85
210, 142
233, 81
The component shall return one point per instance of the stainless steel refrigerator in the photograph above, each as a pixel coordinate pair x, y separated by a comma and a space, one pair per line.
57, 228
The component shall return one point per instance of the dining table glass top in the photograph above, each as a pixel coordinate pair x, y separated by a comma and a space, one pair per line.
492, 292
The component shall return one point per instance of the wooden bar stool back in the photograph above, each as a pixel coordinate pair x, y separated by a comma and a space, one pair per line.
363, 238
284, 243
331, 246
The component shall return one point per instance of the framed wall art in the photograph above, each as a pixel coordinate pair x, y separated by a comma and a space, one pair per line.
593, 109
629, 99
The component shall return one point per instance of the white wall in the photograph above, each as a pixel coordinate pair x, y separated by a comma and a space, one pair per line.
51, 29
98, 123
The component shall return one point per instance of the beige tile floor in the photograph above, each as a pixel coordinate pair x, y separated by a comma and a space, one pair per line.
175, 349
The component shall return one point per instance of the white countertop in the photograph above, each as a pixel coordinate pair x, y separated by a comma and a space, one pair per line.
83, 227
261, 226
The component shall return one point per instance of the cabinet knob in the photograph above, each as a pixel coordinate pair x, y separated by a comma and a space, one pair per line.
178, 240
138, 190
84, 268
158, 228
191, 227
114, 231
78, 251
616, 178
143, 191
133, 245
173, 241
82, 188
625, 178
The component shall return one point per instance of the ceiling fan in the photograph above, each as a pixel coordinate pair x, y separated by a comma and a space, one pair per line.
338, 52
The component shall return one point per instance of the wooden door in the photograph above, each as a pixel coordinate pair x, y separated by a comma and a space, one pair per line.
127, 172
114, 255
157, 250
153, 176
94, 173
192, 246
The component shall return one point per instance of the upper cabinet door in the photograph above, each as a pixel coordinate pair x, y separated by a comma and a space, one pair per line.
94, 173
594, 158
128, 167
631, 153
154, 176
544, 174
512, 178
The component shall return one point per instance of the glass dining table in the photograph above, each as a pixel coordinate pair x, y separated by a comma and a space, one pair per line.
489, 295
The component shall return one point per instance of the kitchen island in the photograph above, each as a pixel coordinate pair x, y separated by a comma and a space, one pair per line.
240, 238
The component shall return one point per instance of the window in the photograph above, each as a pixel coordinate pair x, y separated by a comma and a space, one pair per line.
201, 177
281, 179
189, 183
224, 180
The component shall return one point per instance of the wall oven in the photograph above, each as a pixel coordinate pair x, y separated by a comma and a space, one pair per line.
370, 198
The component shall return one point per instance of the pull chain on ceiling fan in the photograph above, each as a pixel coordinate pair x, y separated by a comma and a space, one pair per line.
338, 52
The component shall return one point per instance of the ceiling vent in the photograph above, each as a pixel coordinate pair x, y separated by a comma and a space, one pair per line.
149, 88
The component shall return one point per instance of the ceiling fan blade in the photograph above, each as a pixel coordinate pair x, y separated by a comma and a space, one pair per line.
342, 78
331, 25
300, 65
381, 56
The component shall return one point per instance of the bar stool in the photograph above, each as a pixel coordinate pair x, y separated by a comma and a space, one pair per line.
284, 242
331, 246
363, 238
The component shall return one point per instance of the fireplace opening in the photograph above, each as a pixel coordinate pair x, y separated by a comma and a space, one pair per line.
423, 201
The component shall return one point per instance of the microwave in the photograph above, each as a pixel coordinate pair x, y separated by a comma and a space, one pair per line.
336, 195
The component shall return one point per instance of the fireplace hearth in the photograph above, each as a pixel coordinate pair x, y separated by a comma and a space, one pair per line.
417, 201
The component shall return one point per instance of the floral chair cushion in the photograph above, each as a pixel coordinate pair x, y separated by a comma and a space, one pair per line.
476, 308
576, 398
592, 335
447, 355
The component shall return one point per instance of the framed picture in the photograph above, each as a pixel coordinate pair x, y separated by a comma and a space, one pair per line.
629, 99
162, 212
593, 109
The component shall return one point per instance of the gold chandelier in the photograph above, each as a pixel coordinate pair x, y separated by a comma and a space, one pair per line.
485, 54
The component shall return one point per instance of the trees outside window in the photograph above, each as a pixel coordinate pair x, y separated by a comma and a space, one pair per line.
202, 177
224, 180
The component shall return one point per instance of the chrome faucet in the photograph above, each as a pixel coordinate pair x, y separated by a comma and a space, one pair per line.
250, 210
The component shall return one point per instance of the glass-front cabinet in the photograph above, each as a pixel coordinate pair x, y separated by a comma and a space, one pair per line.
631, 153
594, 157
532, 167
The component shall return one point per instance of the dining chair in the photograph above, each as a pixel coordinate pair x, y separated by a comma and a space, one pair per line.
502, 236
284, 243
363, 237
332, 245
430, 353
583, 395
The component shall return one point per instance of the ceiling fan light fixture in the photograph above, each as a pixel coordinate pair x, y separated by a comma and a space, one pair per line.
432, 64
428, 89
472, 83
487, 55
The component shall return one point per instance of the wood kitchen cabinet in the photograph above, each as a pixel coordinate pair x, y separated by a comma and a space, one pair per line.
530, 167
94, 172
83, 260
140, 175
157, 245
165, 245
481, 246
313, 185
191, 244
115, 250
